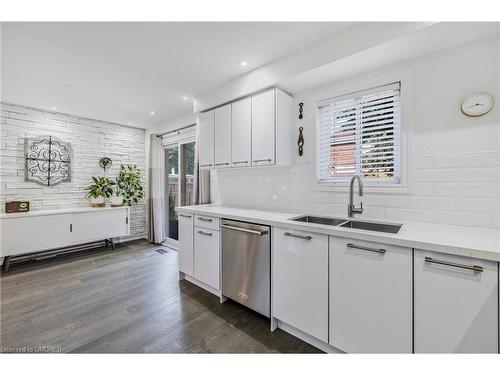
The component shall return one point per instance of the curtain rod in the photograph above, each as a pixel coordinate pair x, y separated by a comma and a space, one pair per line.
175, 131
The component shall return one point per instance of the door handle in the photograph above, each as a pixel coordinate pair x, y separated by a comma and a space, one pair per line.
365, 248
126, 220
258, 232
205, 165
471, 267
205, 233
288, 234
240, 162
221, 163
188, 216
71, 228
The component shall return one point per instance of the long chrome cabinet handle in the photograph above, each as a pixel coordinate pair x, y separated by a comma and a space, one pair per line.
205, 165
205, 233
182, 215
365, 248
288, 234
257, 161
204, 219
257, 232
471, 267
221, 163
240, 162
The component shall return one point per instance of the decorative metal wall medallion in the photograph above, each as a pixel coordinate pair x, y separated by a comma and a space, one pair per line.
105, 163
47, 160
300, 141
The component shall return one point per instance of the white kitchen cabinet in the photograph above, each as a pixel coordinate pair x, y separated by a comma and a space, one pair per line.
456, 309
206, 256
370, 297
263, 128
223, 136
241, 136
186, 244
206, 136
300, 281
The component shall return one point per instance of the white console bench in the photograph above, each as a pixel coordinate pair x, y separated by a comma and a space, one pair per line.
38, 231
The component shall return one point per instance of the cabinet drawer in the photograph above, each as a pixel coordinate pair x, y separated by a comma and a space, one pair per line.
300, 281
370, 297
206, 222
456, 304
206, 256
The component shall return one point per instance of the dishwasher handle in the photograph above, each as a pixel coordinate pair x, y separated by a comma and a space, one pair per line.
251, 231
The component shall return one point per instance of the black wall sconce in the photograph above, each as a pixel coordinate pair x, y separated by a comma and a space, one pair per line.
300, 141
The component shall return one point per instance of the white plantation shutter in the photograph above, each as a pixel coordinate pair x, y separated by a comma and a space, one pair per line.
359, 134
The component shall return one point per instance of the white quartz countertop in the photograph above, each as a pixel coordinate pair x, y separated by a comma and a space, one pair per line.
450, 239
58, 211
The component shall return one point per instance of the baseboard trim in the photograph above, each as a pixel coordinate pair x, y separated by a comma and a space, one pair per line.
327, 348
202, 285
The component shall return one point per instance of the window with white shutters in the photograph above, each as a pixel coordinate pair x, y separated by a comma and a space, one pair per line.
359, 134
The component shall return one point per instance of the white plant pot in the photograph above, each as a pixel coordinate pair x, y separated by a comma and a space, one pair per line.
116, 201
98, 202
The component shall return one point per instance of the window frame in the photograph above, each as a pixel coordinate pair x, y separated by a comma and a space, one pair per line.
405, 77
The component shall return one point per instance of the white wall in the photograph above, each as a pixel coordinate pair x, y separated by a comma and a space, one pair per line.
454, 165
90, 141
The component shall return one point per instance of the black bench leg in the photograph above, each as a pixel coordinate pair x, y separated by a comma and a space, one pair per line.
6, 264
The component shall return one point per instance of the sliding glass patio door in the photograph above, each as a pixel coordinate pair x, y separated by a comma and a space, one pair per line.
179, 170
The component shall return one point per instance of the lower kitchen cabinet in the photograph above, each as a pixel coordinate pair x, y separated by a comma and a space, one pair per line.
300, 281
370, 297
206, 256
186, 244
456, 304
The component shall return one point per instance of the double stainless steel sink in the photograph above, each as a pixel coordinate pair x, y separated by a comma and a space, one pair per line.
353, 224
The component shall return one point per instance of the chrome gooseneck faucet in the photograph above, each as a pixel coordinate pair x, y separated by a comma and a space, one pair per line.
351, 208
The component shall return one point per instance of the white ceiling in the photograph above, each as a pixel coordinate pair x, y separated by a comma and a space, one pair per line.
121, 72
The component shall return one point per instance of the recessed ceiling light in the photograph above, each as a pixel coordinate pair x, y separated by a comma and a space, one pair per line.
53, 108
152, 112
129, 123
243, 63
185, 98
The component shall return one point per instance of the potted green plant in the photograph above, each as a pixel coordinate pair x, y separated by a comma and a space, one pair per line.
101, 189
116, 199
129, 183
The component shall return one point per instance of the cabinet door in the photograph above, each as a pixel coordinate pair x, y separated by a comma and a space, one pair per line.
456, 309
370, 297
263, 128
206, 256
206, 145
241, 133
300, 281
186, 255
223, 136
34, 233
98, 225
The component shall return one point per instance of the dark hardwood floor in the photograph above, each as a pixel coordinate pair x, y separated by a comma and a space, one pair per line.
127, 301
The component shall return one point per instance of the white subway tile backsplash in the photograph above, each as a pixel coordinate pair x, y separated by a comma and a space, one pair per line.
460, 189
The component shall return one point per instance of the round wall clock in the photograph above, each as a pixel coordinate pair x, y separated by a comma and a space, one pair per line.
478, 104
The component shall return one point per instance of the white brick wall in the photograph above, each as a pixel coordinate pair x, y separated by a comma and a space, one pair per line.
90, 140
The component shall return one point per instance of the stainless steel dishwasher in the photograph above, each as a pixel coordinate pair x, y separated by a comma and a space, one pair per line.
246, 264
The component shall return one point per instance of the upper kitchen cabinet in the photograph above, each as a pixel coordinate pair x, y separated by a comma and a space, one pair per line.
271, 128
241, 137
223, 136
256, 130
206, 132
